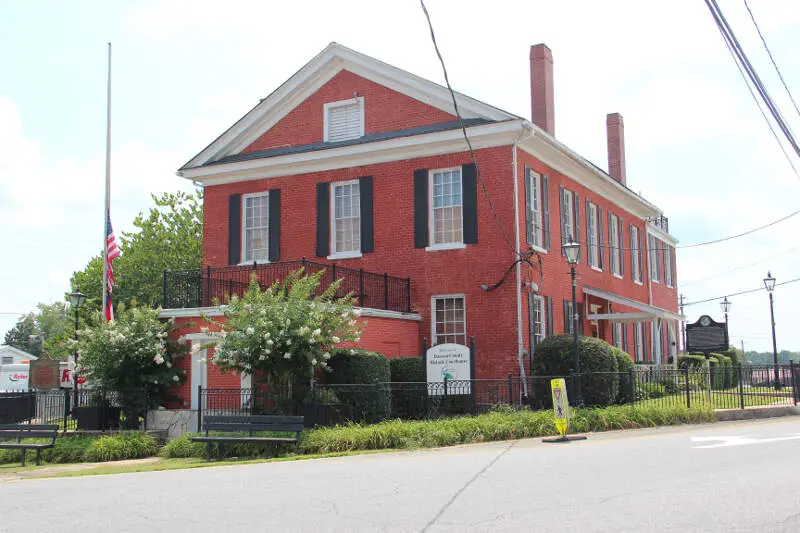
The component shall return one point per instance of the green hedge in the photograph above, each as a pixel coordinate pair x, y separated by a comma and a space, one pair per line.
408, 402
359, 366
78, 449
554, 358
407, 370
627, 386
691, 361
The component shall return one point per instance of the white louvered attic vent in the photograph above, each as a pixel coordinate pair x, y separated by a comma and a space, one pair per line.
344, 120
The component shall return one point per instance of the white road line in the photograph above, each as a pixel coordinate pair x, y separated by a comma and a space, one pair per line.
739, 441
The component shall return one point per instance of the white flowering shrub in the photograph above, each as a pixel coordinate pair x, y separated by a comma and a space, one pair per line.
285, 332
134, 356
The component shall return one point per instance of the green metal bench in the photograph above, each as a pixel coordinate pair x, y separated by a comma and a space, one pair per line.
28, 431
249, 424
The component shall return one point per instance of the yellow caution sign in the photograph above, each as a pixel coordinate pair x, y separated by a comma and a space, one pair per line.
560, 405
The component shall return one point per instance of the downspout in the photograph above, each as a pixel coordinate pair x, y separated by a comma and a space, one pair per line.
525, 132
650, 289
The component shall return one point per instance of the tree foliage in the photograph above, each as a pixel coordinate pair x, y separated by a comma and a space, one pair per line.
23, 335
283, 333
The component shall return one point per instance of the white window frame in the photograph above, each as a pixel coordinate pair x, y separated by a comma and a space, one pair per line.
538, 306
593, 245
431, 221
616, 334
536, 209
336, 254
638, 342
244, 260
569, 223
614, 256
655, 267
331, 105
669, 278
636, 244
434, 298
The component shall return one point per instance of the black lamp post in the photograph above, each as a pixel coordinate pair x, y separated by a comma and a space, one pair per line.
725, 305
572, 251
76, 300
769, 284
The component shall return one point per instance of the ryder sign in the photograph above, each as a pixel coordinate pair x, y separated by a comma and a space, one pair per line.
451, 361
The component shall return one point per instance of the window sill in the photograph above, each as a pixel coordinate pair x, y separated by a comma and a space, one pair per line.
344, 255
670, 286
617, 276
596, 269
251, 263
638, 282
655, 281
448, 246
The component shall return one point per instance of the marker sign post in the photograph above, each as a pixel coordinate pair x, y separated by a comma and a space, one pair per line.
558, 388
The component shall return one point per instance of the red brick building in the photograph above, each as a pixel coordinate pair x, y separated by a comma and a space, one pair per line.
355, 163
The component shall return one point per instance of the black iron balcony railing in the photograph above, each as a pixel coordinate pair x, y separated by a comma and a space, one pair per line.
204, 287
661, 222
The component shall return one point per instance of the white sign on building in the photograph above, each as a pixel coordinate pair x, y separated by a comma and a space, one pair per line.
451, 361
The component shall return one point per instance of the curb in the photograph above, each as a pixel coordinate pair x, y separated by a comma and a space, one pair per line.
725, 415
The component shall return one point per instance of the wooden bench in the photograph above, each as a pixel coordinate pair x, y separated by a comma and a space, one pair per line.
249, 424
28, 431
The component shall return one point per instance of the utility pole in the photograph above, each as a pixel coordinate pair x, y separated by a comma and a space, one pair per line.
683, 327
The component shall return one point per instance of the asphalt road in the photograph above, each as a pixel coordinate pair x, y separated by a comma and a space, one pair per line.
741, 476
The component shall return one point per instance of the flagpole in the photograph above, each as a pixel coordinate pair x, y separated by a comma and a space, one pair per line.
108, 185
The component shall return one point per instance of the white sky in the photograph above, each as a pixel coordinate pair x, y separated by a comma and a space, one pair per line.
186, 70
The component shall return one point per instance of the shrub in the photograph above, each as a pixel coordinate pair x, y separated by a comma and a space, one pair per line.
721, 372
691, 361
651, 390
408, 401
180, 447
626, 383
407, 370
554, 358
356, 366
123, 446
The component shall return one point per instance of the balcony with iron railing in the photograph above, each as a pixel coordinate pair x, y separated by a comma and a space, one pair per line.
209, 286
661, 222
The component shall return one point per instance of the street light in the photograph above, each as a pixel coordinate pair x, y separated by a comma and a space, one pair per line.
769, 284
725, 305
572, 251
76, 300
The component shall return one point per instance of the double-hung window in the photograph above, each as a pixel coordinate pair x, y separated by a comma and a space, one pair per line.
446, 207
594, 238
638, 341
569, 216
346, 218
615, 257
538, 318
655, 267
536, 208
636, 266
668, 277
616, 334
255, 237
449, 320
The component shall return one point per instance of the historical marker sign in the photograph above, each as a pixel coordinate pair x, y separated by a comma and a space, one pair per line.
451, 361
706, 336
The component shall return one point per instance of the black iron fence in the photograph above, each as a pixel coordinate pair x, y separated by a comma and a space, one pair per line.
204, 287
735, 387
85, 409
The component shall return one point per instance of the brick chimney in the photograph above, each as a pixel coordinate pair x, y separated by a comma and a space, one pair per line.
615, 131
542, 109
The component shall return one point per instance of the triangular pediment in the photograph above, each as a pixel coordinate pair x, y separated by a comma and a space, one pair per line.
334, 59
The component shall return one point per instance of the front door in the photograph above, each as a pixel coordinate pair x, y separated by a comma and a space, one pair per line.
199, 375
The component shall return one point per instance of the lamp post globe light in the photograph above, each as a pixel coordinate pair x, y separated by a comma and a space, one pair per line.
769, 284
572, 251
76, 300
725, 305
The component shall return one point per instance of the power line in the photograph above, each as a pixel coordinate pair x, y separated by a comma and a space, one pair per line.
464, 131
765, 226
769, 53
739, 293
740, 268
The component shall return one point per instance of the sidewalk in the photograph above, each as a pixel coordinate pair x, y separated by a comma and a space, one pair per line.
48, 471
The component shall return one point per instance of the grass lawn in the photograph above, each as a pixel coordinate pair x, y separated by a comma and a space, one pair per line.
722, 399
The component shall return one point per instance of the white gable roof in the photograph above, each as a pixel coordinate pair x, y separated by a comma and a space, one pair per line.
16, 353
306, 81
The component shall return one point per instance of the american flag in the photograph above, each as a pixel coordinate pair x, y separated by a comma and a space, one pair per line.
112, 252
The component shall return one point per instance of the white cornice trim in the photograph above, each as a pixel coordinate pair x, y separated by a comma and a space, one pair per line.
305, 82
195, 312
411, 147
382, 313
659, 233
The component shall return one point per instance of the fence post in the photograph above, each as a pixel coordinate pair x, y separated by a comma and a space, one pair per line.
333, 272
408, 293
386, 290
361, 287
66, 408
444, 399
632, 385
472, 377
794, 382
688, 392
199, 408
510, 389
313, 402
205, 302
164, 289
741, 385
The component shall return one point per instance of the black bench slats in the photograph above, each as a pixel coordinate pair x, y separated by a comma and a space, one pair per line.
250, 424
28, 431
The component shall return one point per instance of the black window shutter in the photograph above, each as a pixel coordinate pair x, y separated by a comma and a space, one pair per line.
632, 252
625, 337
578, 219
580, 317
640, 253
546, 211
610, 239
528, 203
323, 219
469, 186
562, 200
549, 317
601, 237
421, 208
567, 318
275, 225
367, 214
531, 324
621, 249
234, 229
588, 236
